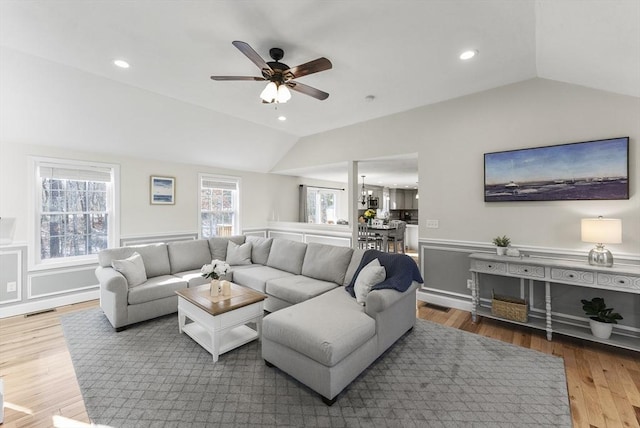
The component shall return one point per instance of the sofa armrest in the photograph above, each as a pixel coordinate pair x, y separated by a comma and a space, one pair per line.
114, 291
112, 280
379, 300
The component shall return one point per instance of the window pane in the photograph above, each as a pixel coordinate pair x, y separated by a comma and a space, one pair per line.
322, 206
218, 211
74, 217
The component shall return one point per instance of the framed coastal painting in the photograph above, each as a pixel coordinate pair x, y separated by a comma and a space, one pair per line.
163, 190
590, 170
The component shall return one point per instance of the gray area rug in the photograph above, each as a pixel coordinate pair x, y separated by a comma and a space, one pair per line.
149, 375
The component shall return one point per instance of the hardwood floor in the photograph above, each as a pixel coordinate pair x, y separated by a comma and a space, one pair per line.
40, 383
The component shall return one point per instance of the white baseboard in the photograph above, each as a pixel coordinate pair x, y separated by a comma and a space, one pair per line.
44, 304
446, 301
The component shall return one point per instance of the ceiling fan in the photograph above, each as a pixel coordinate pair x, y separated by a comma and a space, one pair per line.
279, 75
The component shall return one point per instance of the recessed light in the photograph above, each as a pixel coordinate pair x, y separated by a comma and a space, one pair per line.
468, 54
121, 63
282, 118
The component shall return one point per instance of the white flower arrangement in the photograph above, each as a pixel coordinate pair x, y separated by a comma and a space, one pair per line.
215, 270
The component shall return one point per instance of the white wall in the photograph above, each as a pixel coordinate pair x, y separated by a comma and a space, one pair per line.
260, 193
451, 138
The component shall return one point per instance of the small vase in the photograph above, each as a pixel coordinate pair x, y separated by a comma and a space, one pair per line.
501, 251
601, 330
226, 288
215, 288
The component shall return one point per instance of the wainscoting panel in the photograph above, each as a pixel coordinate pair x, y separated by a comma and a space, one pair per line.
293, 236
330, 240
261, 233
11, 272
51, 283
142, 240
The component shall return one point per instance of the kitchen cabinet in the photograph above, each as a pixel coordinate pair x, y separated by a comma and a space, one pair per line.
403, 199
396, 199
410, 201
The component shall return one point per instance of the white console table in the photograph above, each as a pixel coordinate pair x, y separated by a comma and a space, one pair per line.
624, 279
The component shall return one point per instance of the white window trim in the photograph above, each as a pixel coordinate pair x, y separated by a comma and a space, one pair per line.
33, 229
202, 175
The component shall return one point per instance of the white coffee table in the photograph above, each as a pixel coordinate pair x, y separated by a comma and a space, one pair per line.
218, 324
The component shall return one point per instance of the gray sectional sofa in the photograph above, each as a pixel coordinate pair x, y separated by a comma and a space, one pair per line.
316, 331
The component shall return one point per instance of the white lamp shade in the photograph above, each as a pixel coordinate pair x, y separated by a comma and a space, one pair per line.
270, 92
284, 94
602, 230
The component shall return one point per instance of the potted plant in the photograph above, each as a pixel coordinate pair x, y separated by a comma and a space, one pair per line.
501, 243
602, 318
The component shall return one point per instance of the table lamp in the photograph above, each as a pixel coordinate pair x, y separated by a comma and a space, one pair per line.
601, 231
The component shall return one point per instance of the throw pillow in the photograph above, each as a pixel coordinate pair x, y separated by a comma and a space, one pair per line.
132, 268
238, 254
260, 248
369, 276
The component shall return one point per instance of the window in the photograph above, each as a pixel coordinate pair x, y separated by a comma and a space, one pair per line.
74, 210
219, 201
322, 205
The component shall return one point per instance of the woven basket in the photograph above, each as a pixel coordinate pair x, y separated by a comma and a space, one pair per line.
510, 308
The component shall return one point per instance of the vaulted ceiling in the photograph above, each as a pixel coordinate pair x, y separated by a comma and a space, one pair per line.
56, 68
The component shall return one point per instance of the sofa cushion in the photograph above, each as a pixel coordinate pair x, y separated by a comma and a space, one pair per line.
260, 248
358, 253
218, 246
188, 255
369, 276
257, 276
155, 288
326, 262
193, 278
327, 328
154, 256
297, 288
287, 255
132, 268
238, 254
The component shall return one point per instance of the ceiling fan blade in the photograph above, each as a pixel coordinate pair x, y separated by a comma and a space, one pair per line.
251, 54
320, 64
259, 79
308, 90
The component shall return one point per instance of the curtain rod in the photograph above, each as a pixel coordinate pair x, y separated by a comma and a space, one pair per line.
320, 187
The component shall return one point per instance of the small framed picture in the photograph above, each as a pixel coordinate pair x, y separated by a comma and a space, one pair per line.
163, 190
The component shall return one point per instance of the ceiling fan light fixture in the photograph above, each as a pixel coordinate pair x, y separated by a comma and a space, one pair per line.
269, 93
284, 94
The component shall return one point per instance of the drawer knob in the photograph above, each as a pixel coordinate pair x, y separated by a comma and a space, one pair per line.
526, 270
571, 275
489, 266
621, 281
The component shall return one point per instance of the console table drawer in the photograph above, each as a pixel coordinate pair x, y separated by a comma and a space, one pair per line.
491, 267
620, 281
526, 270
577, 276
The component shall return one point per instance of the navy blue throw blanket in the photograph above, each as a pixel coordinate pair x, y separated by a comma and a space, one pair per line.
401, 271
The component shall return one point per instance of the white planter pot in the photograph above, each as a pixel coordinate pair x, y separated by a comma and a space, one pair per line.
501, 251
601, 330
